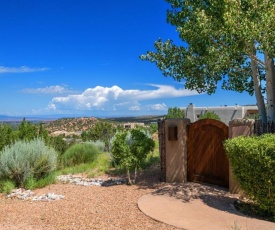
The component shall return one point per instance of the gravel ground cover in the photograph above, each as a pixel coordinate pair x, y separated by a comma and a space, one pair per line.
92, 207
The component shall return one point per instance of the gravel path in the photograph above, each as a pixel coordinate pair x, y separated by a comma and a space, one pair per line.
92, 207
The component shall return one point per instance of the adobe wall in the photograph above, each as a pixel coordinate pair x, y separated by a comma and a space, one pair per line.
238, 127
176, 150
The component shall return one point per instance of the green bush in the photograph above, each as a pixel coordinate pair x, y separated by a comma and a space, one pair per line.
80, 153
99, 144
27, 159
210, 115
6, 186
253, 163
32, 183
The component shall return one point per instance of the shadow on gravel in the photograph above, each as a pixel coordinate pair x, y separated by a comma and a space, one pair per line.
212, 195
150, 178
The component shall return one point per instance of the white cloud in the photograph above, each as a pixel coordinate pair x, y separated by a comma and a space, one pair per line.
51, 106
158, 107
114, 98
56, 89
134, 108
22, 69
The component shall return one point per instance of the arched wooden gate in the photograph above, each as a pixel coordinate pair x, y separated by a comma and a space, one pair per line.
206, 158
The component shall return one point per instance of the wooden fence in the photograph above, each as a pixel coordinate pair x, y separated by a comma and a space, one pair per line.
261, 128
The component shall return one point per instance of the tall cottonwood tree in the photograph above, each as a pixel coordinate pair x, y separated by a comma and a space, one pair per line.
227, 41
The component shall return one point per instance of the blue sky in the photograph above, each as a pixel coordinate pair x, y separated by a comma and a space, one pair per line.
81, 58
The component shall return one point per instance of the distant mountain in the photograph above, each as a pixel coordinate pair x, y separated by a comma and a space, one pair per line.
5, 118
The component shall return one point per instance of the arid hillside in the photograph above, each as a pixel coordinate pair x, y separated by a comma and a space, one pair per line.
71, 124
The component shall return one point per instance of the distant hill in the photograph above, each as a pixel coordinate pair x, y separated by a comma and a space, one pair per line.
143, 119
74, 125
71, 124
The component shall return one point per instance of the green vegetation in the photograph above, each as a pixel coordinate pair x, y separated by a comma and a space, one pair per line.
27, 159
80, 153
210, 115
7, 136
130, 149
152, 158
175, 112
6, 186
253, 163
224, 43
102, 131
33, 183
31, 158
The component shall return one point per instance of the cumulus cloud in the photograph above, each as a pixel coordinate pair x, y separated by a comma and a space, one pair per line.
157, 107
134, 108
114, 98
56, 89
22, 69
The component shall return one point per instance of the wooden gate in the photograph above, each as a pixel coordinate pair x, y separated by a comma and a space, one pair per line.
206, 158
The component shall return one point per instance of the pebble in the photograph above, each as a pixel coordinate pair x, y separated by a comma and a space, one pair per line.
79, 180
24, 194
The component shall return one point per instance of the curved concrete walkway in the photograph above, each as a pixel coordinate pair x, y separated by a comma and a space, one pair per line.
198, 214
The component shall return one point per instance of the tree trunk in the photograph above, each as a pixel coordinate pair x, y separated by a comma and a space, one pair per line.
270, 87
129, 177
257, 86
135, 175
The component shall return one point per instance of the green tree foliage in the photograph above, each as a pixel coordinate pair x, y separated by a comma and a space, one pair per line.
26, 159
175, 112
102, 131
253, 163
27, 131
210, 115
130, 148
223, 41
43, 133
153, 128
58, 144
80, 153
84, 136
6, 136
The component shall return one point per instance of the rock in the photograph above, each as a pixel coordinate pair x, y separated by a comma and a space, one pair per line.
90, 182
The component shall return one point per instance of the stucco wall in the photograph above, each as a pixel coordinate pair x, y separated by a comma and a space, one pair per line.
226, 113
176, 150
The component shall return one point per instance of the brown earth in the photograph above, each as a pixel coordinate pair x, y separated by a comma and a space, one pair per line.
91, 207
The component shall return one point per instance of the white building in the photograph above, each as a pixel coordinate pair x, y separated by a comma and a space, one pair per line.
226, 113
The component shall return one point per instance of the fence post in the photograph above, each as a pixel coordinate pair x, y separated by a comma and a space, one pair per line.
176, 149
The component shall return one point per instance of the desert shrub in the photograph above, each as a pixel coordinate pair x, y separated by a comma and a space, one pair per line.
27, 159
253, 164
99, 144
210, 115
80, 153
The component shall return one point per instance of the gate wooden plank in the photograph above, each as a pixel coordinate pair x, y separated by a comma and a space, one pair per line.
206, 159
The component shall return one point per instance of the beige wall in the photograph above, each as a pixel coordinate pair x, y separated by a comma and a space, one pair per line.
176, 150
237, 128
